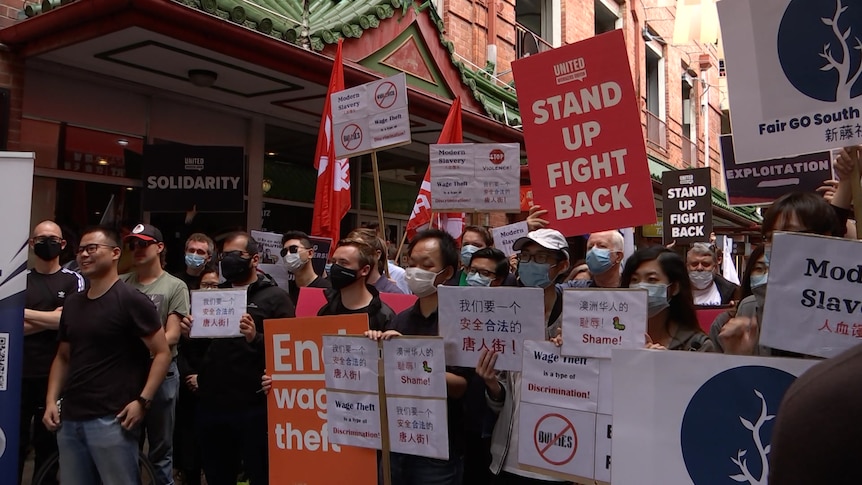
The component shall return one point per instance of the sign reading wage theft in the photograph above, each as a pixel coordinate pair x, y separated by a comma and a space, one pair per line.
687, 205
763, 182
790, 93
584, 137
180, 178
476, 177
371, 117
813, 305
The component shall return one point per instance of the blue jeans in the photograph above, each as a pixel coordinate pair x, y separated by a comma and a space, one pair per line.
159, 426
98, 449
419, 470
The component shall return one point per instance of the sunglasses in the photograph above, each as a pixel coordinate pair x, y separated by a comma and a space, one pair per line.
139, 244
291, 250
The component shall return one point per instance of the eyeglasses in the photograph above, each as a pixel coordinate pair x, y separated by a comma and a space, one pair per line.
540, 258
92, 248
484, 272
42, 239
133, 244
291, 250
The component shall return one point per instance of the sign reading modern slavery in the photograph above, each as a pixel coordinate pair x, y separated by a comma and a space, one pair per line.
475, 176
584, 137
687, 205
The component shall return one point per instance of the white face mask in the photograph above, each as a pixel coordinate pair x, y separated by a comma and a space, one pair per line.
421, 281
701, 279
292, 262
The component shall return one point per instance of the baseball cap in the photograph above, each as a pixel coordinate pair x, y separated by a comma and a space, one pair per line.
146, 232
547, 238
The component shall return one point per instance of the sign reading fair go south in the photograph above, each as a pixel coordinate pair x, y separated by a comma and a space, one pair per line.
179, 178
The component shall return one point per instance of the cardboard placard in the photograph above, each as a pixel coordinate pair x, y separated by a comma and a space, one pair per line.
505, 236
687, 205
557, 380
217, 313
475, 177
371, 117
597, 321
415, 366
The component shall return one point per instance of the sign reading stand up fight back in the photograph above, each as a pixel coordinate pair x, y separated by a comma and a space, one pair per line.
584, 137
687, 205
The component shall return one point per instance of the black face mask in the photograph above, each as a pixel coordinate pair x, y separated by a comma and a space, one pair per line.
341, 277
48, 249
235, 268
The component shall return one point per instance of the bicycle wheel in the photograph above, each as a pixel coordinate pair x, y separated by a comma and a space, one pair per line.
49, 473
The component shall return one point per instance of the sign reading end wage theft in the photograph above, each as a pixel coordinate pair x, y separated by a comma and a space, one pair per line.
584, 138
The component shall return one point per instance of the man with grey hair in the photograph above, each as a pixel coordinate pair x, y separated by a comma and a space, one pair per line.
709, 288
604, 257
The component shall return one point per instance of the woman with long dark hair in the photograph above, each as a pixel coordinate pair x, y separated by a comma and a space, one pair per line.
672, 321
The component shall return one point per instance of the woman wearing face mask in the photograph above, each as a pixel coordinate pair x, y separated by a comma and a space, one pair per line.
672, 321
750, 306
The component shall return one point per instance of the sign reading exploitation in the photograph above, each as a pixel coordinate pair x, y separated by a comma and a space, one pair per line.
687, 205
813, 305
789, 93
597, 321
584, 137
476, 177
371, 117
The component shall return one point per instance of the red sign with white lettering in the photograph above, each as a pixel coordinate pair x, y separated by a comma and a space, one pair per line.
584, 138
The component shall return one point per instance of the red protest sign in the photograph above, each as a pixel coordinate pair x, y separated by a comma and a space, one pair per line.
583, 135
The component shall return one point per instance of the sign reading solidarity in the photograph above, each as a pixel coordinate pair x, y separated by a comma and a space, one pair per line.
813, 305
789, 94
181, 178
597, 321
763, 182
687, 205
584, 137
475, 176
371, 117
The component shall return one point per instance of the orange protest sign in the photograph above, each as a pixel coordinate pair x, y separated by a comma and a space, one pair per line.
299, 447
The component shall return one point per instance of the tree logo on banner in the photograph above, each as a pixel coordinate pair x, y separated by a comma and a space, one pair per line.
820, 48
736, 410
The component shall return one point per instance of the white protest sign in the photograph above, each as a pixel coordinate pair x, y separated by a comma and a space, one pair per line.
791, 95
560, 440
350, 363
371, 117
813, 302
271, 261
476, 176
555, 380
418, 426
606, 387
604, 431
415, 366
473, 319
353, 419
689, 418
217, 313
598, 321
505, 236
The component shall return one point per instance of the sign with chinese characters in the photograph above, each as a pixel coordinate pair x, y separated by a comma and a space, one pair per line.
415, 366
371, 117
664, 403
350, 363
217, 313
473, 319
813, 305
764, 181
418, 427
556, 439
354, 419
476, 176
557, 380
687, 205
505, 236
297, 417
583, 135
272, 263
792, 95
598, 321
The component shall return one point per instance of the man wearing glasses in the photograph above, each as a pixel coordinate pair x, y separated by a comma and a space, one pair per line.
47, 287
171, 297
103, 370
297, 253
487, 267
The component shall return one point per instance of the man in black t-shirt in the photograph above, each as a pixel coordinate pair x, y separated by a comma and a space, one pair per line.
103, 371
47, 287
199, 254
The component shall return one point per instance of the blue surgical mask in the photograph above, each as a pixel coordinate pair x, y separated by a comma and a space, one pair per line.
195, 261
657, 299
759, 280
767, 253
599, 260
534, 274
467, 253
327, 267
475, 279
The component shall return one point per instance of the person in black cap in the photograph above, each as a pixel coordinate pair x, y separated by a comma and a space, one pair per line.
171, 297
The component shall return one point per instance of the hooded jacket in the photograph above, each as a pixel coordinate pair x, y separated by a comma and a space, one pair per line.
379, 313
230, 371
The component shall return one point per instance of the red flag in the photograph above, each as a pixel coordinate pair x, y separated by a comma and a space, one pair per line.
332, 196
451, 222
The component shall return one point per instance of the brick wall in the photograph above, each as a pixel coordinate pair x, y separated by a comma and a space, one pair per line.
12, 74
